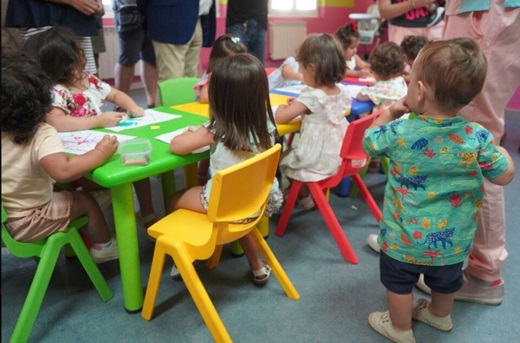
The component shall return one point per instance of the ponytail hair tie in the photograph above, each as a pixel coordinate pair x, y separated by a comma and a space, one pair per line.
235, 40
353, 27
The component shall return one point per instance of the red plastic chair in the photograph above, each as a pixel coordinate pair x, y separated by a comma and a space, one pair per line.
354, 160
269, 70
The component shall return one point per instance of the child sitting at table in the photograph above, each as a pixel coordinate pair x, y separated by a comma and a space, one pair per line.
33, 158
387, 63
286, 75
429, 228
349, 40
411, 45
322, 106
226, 45
78, 97
241, 126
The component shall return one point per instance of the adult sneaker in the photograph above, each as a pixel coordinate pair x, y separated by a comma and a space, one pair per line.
421, 312
104, 254
473, 290
436, 17
372, 242
381, 322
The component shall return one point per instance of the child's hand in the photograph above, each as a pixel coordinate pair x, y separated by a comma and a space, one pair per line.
136, 111
399, 108
109, 119
108, 145
364, 73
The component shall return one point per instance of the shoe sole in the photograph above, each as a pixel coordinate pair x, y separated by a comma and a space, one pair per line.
492, 302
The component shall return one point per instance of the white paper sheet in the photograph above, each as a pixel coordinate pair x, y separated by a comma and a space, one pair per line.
80, 142
150, 117
167, 138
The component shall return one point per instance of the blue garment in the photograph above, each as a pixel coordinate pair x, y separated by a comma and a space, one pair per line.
173, 21
252, 34
483, 5
36, 13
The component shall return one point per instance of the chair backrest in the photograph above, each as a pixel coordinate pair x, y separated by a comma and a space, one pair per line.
177, 91
240, 191
352, 153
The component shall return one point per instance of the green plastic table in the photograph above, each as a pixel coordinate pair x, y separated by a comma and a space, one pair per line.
119, 178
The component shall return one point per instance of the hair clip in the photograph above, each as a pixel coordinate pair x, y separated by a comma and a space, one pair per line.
353, 26
235, 39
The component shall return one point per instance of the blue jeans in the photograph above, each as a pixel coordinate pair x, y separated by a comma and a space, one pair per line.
252, 35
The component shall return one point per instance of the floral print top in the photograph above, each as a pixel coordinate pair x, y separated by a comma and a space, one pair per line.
385, 93
435, 186
82, 104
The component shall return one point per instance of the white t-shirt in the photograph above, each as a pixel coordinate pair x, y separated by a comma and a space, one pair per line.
276, 79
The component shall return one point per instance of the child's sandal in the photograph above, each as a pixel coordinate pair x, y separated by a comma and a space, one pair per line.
261, 276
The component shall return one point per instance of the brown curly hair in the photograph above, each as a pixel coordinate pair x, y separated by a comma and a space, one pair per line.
386, 60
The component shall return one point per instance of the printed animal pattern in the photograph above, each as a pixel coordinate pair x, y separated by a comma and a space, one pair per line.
434, 188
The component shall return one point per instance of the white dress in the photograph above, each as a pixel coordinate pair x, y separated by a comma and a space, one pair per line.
321, 136
276, 79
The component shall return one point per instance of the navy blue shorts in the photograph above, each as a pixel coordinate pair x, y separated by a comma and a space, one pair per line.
400, 277
133, 46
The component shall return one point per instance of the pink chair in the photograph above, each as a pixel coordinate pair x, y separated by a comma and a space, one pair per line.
354, 160
269, 70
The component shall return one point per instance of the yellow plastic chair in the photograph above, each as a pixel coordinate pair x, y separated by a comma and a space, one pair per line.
46, 253
177, 91
237, 192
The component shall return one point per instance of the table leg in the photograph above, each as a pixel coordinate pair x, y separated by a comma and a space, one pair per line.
168, 188
127, 242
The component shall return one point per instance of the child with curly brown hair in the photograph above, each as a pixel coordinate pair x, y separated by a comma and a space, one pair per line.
387, 64
411, 45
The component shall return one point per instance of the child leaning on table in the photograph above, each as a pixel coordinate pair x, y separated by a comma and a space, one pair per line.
33, 158
78, 97
438, 161
387, 63
322, 106
349, 40
226, 45
286, 75
241, 126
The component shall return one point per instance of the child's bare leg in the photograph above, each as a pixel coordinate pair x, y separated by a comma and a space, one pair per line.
84, 204
441, 304
188, 199
400, 308
251, 251
143, 190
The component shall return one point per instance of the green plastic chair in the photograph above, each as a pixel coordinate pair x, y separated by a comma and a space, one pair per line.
46, 253
177, 91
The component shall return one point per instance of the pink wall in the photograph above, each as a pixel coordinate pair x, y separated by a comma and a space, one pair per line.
329, 20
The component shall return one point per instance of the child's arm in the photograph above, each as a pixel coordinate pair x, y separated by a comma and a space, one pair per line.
191, 140
289, 74
122, 100
286, 113
396, 111
508, 175
64, 123
362, 65
63, 168
362, 97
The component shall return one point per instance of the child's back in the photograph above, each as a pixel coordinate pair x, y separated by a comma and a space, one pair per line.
286, 75
387, 63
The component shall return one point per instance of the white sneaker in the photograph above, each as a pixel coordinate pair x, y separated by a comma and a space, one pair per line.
372, 242
100, 254
175, 274
307, 202
421, 312
381, 322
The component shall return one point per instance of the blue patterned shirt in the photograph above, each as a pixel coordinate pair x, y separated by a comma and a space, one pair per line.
435, 186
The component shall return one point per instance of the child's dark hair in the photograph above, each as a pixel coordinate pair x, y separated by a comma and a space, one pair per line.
411, 45
455, 69
324, 52
386, 60
225, 45
58, 53
239, 104
346, 35
26, 96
